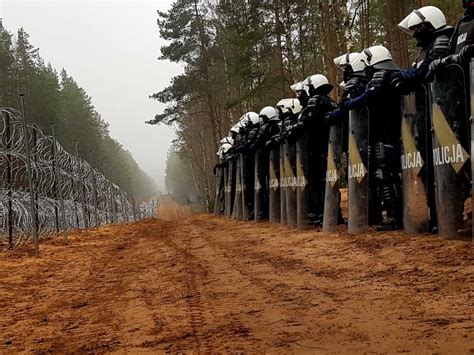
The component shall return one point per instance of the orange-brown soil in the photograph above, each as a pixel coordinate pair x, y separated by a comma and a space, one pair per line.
207, 283
169, 210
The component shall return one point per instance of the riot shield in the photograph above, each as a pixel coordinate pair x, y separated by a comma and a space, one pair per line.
243, 170
283, 185
261, 185
274, 184
332, 196
237, 211
358, 171
226, 189
471, 107
415, 162
248, 186
219, 199
231, 187
450, 137
302, 191
291, 194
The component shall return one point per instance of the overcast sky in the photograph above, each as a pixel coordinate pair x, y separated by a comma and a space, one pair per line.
110, 48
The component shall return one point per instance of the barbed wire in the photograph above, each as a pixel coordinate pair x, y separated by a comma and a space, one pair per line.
68, 192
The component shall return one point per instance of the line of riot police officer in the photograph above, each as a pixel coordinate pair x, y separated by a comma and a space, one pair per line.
405, 133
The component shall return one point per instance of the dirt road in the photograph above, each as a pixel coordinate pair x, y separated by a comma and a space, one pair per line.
169, 210
206, 283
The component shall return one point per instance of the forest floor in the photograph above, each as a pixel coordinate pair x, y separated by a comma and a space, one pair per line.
204, 283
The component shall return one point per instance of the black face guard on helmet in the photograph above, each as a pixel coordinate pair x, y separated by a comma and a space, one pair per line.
423, 34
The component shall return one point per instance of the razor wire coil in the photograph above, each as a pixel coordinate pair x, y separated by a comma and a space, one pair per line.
68, 192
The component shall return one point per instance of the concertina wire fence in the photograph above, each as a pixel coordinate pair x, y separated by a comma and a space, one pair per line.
45, 190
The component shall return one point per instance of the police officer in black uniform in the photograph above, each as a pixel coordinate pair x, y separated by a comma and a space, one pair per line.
384, 104
428, 26
269, 129
461, 51
252, 127
461, 46
223, 152
354, 84
312, 120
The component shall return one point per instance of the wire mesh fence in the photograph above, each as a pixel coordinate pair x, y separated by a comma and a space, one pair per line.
45, 190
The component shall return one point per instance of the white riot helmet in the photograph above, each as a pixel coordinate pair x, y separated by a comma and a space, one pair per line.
251, 117
224, 148
236, 128
247, 118
281, 105
377, 57
229, 140
219, 153
243, 120
295, 106
298, 87
289, 105
293, 87
318, 83
345, 60
430, 15
269, 114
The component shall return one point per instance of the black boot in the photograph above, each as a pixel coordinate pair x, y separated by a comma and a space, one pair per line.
389, 224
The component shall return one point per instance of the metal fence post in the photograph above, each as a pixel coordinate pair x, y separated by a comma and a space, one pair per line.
9, 178
55, 189
30, 176
81, 186
94, 195
134, 207
58, 180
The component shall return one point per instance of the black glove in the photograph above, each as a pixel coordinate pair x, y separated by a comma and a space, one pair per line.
333, 117
294, 129
465, 55
352, 87
438, 64
401, 84
298, 126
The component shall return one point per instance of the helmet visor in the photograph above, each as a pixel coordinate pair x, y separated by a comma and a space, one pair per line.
358, 64
404, 25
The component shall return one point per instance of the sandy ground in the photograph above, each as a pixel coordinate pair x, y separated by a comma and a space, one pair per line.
205, 283
169, 210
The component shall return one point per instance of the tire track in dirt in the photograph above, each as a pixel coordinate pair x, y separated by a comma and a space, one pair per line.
192, 296
169, 210
245, 252
202, 259
273, 293
199, 271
